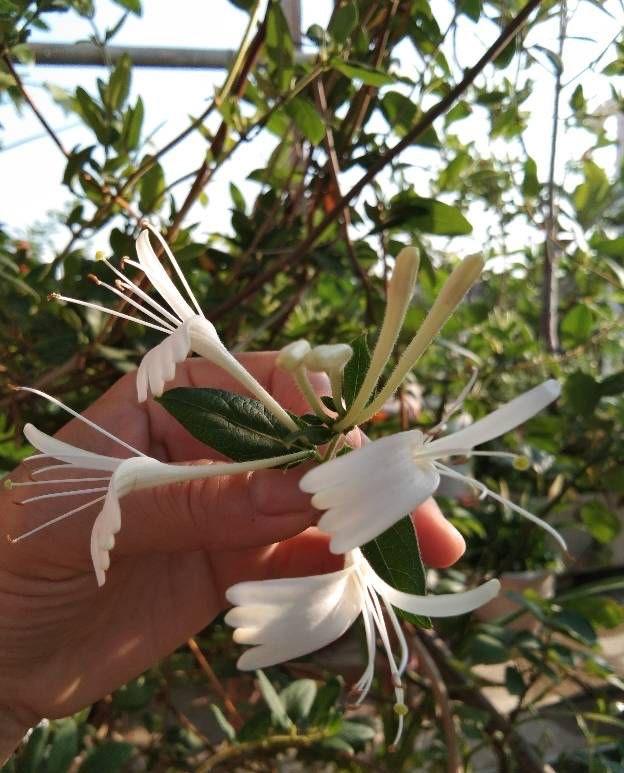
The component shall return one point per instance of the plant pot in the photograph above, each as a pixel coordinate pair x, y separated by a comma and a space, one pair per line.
542, 581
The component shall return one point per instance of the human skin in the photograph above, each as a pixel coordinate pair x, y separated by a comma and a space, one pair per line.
65, 643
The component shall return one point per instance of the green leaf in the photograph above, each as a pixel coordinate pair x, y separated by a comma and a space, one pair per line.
92, 115
574, 625
488, 649
577, 100
600, 522
152, 188
325, 701
119, 83
132, 124
273, 701
410, 212
612, 385
356, 734
369, 76
343, 22
582, 393
257, 726
578, 323
395, 556
612, 248
530, 183
590, 196
134, 6
237, 198
306, 119
279, 44
64, 747
298, 698
514, 681
31, 759
356, 369
225, 726
135, 695
7, 7
601, 612
108, 757
238, 427
472, 8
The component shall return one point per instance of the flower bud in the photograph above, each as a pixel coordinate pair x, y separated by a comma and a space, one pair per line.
328, 357
292, 355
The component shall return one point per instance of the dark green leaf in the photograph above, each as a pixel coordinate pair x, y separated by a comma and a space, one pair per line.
530, 183
612, 385
135, 695
93, 115
356, 734
298, 698
152, 187
472, 8
109, 757
343, 22
356, 369
395, 556
577, 100
64, 747
325, 701
575, 625
236, 426
132, 124
582, 392
410, 212
131, 5
257, 726
31, 759
274, 702
237, 198
119, 83
514, 681
612, 248
488, 649
362, 72
306, 119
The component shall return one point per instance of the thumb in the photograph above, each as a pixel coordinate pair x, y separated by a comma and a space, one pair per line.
224, 512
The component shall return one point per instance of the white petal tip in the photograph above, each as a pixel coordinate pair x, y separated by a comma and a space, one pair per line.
553, 387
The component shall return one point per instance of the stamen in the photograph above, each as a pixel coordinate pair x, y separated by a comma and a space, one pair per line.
457, 403
132, 302
57, 467
507, 503
82, 418
104, 310
141, 293
175, 265
8, 483
58, 519
56, 494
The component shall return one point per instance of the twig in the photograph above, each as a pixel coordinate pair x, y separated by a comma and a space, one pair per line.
22, 90
263, 746
526, 759
552, 253
510, 31
440, 692
230, 709
345, 222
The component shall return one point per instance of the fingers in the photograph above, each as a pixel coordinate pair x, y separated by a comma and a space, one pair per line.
440, 543
226, 512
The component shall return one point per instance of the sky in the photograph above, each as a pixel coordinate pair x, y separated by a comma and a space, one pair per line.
33, 167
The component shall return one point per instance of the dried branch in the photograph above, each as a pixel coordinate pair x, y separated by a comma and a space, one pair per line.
230, 709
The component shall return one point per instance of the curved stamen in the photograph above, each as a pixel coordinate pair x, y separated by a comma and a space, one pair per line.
58, 519
131, 301
82, 418
400, 637
56, 494
444, 470
104, 310
175, 321
10, 484
175, 265
57, 467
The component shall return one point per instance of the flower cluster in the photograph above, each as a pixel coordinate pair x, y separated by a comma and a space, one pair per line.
362, 492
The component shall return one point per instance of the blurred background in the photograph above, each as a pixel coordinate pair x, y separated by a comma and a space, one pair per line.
288, 151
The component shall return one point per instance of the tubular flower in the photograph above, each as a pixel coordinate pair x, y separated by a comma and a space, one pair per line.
123, 475
184, 324
368, 490
289, 618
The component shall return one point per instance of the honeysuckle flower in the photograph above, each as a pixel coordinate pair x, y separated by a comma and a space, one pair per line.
187, 329
287, 618
368, 490
330, 359
456, 286
123, 475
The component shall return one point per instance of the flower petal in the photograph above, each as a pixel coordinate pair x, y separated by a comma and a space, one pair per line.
65, 452
295, 617
504, 419
158, 366
159, 278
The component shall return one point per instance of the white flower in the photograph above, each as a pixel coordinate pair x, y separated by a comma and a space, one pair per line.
185, 326
287, 618
123, 476
371, 488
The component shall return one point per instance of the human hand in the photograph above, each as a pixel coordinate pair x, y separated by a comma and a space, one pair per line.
64, 642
